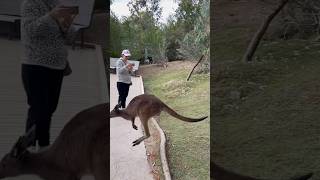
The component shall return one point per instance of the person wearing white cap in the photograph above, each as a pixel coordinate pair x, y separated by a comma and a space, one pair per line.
124, 68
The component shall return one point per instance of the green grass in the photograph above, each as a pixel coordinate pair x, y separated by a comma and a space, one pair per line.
188, 143
266, 113
230, 44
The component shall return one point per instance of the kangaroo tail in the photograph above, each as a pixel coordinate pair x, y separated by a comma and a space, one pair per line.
304, 177
220, 173
178, 116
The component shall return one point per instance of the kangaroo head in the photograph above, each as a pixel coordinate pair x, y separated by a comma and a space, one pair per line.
12, 162
115, 112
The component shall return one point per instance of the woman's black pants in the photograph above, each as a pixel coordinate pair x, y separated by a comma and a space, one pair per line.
123, 89
42, 86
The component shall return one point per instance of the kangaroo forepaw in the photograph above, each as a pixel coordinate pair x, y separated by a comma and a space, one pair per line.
135, 127
136, 142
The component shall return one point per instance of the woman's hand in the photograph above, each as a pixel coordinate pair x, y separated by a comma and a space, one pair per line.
64, 16
130, 66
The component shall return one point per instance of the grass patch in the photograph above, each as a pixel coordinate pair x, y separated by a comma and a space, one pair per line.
266, 112
188, 143
229, 45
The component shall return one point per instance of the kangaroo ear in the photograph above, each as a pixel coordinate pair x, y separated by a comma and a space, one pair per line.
16, 149
23, 143
117, 106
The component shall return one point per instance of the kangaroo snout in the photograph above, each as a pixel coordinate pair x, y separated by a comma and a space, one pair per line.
115, 111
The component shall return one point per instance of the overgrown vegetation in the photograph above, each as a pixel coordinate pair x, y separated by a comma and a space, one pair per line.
301, 19
196, 42
142, 32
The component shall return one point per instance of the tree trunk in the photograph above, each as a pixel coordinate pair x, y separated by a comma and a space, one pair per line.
261, 31
194, 67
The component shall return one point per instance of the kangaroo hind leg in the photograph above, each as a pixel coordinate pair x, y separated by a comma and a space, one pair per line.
147, 132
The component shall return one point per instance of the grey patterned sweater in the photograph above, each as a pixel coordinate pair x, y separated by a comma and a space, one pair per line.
123, 72
43, 43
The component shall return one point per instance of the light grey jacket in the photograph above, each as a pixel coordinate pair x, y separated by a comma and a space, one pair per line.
123, 72
43, 42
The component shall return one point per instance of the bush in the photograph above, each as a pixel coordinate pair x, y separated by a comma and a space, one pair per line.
300, 19
196, 42
115, 54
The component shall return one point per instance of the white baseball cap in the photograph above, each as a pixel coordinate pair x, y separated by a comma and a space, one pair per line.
126, 52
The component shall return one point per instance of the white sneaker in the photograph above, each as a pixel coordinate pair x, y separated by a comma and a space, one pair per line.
42, 148
32, 149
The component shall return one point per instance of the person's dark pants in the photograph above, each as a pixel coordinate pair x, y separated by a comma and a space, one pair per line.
123, 89
42, 86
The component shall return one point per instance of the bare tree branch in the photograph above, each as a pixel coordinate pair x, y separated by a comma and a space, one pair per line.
194, 68
261, 31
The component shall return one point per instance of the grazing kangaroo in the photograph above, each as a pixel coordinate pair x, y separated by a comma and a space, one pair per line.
80, 149
146, 106
220, 173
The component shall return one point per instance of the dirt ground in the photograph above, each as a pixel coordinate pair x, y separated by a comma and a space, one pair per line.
153, 152
150, 69
230, 14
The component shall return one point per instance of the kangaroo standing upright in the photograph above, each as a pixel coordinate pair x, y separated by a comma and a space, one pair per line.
80, 149
146, 106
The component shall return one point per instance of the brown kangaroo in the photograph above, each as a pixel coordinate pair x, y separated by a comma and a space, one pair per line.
220, 173
80, 149
146, 106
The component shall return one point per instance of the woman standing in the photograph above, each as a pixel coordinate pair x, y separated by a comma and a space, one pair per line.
44, 60
124, 79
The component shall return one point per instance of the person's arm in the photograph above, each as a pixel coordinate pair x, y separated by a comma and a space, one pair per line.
33, 23
121, 67
72, 33
72, 30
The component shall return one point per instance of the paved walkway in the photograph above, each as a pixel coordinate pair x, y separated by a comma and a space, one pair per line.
126, 162
86, 87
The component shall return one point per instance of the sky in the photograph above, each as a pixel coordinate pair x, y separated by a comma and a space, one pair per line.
120, 8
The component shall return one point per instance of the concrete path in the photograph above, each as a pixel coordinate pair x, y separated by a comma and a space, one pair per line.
85, 87
126, 162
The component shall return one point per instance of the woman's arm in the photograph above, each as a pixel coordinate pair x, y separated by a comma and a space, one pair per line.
121, 67
72, 33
